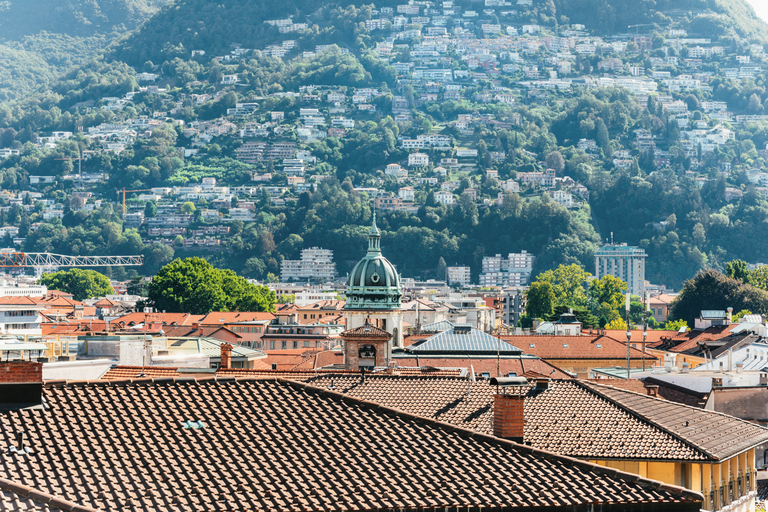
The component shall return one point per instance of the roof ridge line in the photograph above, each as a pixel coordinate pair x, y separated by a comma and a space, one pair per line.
728, 416
588, 387
491, 438
43, 497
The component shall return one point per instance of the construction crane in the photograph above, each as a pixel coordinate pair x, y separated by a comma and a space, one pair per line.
45, 259
137, 190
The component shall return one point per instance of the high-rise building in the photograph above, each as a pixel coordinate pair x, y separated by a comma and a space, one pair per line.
315, 264
459, 275
622, 261
513, 271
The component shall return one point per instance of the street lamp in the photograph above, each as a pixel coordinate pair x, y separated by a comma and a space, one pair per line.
645, 336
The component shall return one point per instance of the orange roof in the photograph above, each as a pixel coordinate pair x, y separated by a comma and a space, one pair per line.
626, 384
652, 336
324, 304
164, 318
518, 365
228, 317
575, 347
21, 300
664, 298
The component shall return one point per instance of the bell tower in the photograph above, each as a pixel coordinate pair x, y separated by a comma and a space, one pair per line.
373, 293
365, 347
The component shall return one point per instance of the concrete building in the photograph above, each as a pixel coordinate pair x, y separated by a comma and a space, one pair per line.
459, 276
315, 263
513, 271
622, 261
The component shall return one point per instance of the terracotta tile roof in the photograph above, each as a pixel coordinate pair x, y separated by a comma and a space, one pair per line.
572, 417
578, 347
21, 300
183, 331
226, 317
652, 336
163, 318
635, 385
181, 444
334, 305
517, 365
367, 330
18, 497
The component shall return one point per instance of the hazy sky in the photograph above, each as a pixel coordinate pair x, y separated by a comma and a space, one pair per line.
760, 7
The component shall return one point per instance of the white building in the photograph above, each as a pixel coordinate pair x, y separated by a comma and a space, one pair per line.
315, 263
512, 271
406, 193
459, 275
418, 160
21, 315
622, 261
443, 197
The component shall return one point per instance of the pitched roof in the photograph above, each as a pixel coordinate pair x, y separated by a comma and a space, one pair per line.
182, 331
576, 347
463, 339
572, 417
164, 318
367, 330
17, 497
225, 317
519, 365
651, 336
210, 444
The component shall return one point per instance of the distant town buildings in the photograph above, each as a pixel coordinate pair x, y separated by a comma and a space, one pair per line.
513, 271
459, 276
622, 261
315, 264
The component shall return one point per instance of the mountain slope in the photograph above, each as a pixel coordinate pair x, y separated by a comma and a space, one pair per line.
42, 39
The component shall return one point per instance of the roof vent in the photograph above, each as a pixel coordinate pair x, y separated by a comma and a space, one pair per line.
542, 384
194, 425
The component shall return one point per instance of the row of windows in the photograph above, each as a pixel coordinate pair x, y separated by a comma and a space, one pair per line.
246, 329
21, 313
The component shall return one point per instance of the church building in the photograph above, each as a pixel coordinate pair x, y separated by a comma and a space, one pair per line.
373, 293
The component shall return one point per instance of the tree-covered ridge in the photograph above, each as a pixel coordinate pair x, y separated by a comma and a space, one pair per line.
77, 18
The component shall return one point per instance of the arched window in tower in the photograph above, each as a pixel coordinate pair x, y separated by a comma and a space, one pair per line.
367, 352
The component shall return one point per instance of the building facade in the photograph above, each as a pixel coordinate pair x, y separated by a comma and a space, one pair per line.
622, 261
460, 276
512, 271
315, 264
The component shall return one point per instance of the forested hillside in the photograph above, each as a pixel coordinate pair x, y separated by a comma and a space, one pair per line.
41, 39
660, 145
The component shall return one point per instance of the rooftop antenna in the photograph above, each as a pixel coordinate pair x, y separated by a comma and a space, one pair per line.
611, 237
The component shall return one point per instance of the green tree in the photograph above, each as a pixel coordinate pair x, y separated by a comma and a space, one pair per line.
188, 208
709, 289
738, 269
540, 300
617, 324
82, 284
738, 316
194, 286
607, 294
150, 209
442, 270
567, 284
675, 325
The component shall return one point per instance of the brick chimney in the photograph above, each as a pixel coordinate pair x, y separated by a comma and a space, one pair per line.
508, 416
21, 383
652, 389
226, 356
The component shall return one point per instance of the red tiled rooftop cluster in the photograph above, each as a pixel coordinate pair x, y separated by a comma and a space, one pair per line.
186, 444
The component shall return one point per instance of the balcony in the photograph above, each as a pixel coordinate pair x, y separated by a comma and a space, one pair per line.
731, 493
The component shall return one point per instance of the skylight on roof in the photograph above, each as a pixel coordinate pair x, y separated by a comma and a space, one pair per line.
565, 345
599, 346
531, 345
194, 425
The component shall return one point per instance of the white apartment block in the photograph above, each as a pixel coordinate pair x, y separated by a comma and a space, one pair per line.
315, 264
622, 261
418, 160
514, 270
459, 276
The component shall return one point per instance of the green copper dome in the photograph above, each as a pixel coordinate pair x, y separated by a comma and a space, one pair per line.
373, 283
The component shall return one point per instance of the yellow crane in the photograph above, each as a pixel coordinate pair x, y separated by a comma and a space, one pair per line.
137, 190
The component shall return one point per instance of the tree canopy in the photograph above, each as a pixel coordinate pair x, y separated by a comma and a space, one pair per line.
195, 286
82, 284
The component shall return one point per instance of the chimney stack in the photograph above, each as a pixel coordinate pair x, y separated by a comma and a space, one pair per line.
730, 315
21, 383
226, 356
652, 389
508, 416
